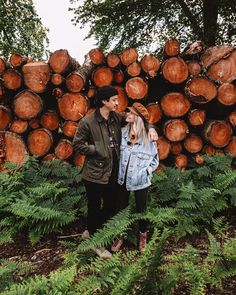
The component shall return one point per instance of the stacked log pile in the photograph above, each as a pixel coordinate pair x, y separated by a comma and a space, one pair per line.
190, 95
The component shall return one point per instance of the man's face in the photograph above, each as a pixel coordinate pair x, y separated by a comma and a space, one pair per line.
112, 103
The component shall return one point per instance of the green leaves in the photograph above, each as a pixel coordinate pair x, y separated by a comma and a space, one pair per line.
21, 30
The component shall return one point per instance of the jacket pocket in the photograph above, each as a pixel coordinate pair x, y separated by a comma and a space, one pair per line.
95, 168
143, 160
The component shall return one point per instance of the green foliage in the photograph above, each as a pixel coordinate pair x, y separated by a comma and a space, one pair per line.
199, 269
120, 24
21, 30
190, 200
39, 198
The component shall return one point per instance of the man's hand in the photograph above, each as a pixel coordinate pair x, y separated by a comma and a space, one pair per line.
152, 134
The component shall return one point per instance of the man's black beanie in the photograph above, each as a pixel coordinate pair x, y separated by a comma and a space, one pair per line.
104, 93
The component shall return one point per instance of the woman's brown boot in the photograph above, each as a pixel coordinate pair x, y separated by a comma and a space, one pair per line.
142, 241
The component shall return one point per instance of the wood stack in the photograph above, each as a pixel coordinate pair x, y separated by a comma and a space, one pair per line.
190, 95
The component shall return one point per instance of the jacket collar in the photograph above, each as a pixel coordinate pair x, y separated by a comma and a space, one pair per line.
100, 118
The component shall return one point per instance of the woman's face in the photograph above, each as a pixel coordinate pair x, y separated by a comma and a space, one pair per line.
130, 117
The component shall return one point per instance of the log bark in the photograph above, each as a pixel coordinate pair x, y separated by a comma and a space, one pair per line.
76, 80
79, 160
175, 105
18, 60
232, 118
113, 60
134, 69
15, 149
128, 56
39, 142
64, 149
5, 117
172, 47
224, 71
155, 113
72, 106
50, 120
197, 117
231, 147
57, 79
36, 76
102, 76
69, 128
122, 99
227, 94
34, 123
97, 56
175, 70
136, 88
181, 161
175, 130
200, 90
27, 105
150, 64
214, 54
176, 148
193, 143
194, 67
61, 62
19, 126
119, 77
218, 133
163, 146
12, 79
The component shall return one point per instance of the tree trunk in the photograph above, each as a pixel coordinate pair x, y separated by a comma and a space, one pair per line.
113, 60
155, 113
201, 90
15, 149
5, 117
50, 120
172, 47
27, 105
64, 149
136, 88
193, 143
128, 56
175, 105
175, 70
102, 76
227, 94
175, 130
18, 60
12, 79
150, 65
57, 79
197, 117
76, 80
72, 106
61, 62
134, 69
210, 14
36, 76
19, 126
218, 133
122, 99
69, 128
39, 142
97, 57
163, 147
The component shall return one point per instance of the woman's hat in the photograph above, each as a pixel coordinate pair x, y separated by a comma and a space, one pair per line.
139, 110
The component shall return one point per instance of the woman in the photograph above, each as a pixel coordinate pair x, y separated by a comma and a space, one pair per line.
138, 159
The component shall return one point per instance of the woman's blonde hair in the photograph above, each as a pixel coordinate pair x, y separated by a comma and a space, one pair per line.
139, 129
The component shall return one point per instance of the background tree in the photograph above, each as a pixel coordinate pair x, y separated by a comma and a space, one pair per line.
21, 30
141, 23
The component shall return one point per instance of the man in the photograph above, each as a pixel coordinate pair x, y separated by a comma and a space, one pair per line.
98, 137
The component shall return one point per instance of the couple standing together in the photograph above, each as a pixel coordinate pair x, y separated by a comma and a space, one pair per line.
120, 156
